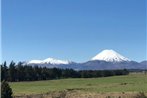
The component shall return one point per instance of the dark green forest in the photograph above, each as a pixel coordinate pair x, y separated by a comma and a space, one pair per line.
19, 72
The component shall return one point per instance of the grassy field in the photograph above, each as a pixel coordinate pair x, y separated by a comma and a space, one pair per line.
128, 83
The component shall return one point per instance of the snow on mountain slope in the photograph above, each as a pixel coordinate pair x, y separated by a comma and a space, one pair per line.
35, 62
110, 56
48, 61
55, 61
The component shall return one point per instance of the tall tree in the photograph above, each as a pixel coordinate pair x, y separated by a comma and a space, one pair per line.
12, 72
20, 72
4, 71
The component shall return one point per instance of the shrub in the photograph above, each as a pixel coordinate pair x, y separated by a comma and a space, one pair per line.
6, 91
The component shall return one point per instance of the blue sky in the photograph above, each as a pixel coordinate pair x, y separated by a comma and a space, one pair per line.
73, 30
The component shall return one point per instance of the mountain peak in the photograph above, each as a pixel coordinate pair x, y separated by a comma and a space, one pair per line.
48, 61
110, 56
55, 61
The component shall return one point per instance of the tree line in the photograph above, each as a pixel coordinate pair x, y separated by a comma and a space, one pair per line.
19, 72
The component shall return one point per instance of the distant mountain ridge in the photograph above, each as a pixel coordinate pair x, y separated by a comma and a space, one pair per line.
105, 60
144, 62
48, 61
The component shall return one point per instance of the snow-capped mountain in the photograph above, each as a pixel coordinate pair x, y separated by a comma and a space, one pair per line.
48, 61
105, 60
110, 56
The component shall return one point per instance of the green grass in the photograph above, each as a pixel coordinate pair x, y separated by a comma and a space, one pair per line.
128, 83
